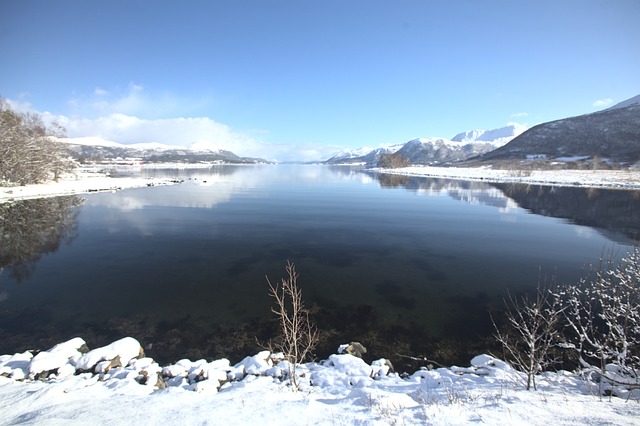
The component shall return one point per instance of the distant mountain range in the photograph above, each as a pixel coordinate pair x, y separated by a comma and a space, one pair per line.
611, 135
432, 151
95, 149
608, 136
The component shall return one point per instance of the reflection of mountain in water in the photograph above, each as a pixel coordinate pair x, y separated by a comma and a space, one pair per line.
465, 191
31, 228
615, 213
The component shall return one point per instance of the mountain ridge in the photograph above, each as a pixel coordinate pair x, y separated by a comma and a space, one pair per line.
612, 135
97, 149
434, 150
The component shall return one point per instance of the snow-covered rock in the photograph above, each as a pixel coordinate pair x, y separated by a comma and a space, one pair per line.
16, 366
350, 365
46, 361
343, 392
256, 365
126, 348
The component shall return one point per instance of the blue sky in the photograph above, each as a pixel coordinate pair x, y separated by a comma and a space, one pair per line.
302, 79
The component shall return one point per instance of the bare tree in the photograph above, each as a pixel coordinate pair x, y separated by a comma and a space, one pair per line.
298, 336
532, 327
393, 161
28, 152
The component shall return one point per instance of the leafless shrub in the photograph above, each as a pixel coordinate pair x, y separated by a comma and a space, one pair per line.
393, 161
298, 335
532, 328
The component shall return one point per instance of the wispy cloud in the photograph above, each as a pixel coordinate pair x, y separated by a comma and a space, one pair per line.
519, 114
132, 99
603, 102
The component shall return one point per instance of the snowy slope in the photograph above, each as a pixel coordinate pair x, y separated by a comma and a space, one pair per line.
362, 155
430, 151
101, 149
497, 137
433, 150
96, 141
629, 102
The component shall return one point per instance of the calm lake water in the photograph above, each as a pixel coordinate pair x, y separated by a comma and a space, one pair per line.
404, 265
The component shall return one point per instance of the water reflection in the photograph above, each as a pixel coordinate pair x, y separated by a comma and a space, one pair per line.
613, 213
182, 267
466, 191
31, 228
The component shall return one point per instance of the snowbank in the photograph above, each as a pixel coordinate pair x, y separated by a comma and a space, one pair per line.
341, 390
80, 183
580, 178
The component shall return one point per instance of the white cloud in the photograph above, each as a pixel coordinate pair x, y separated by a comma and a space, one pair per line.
519, 114
134, 116
196, 132
603, 102
129, 129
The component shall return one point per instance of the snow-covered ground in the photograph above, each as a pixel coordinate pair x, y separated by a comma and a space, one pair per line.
584, 178
343, 390
81, 182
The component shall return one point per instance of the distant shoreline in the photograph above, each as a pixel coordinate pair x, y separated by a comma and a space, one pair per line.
83, 182
609, 179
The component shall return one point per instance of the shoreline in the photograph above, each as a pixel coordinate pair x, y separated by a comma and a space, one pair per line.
70, 383
79, 184
83, 182
609, 179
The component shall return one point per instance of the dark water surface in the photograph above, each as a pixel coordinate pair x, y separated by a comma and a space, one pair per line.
405, 265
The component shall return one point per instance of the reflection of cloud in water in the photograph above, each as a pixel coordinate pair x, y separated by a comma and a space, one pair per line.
219, 187
208, 188
486, 197
584, 232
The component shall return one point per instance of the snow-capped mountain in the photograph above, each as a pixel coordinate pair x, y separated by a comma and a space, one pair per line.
431, 151
95, 148
435, 150
363, 155
497, 137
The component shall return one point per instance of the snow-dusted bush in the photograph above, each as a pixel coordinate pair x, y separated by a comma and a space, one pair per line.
531, 332
602, 314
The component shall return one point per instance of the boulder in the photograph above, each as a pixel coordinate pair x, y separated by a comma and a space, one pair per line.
127, 349
49, 362
354, 348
